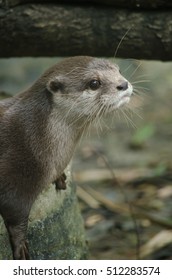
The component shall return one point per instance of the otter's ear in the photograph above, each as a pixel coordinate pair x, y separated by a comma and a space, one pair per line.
56, 84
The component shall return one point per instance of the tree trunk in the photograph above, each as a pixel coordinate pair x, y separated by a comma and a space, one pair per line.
66, 30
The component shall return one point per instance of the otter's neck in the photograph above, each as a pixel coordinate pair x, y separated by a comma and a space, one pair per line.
50, 137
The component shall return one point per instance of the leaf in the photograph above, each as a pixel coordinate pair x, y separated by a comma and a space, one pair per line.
142, 135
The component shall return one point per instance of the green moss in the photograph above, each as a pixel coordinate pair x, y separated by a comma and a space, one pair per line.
58, 233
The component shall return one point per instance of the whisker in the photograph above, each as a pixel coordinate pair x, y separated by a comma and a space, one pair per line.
128, 118
141, 89
141, 93
133, 111
120, 42
141, 81
138, 66
126, 69
99, 117
143, 76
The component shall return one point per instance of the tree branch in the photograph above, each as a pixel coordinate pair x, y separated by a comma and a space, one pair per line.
63, 30
130, 4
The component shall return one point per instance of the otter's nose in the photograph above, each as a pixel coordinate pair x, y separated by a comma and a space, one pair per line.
123, 86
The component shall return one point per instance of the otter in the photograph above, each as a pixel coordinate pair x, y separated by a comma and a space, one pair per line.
39, 130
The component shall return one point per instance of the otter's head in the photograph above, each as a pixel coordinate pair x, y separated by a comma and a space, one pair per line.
86, 87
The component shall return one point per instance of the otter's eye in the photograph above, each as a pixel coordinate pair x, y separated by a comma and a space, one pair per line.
94, 84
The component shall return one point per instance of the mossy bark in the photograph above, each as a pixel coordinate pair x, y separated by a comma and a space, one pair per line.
55, 230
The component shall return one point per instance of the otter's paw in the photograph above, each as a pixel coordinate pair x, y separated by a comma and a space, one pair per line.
60, 183
21, 252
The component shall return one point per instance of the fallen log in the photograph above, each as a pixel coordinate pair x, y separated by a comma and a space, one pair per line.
65, 30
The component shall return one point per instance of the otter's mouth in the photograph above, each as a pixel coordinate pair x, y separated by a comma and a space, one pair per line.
124, 97
123, 101
118, 100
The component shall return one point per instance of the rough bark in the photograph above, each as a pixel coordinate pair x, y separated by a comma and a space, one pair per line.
55, 30
132, 4
55, 229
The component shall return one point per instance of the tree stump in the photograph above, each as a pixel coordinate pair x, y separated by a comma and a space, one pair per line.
55, 229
